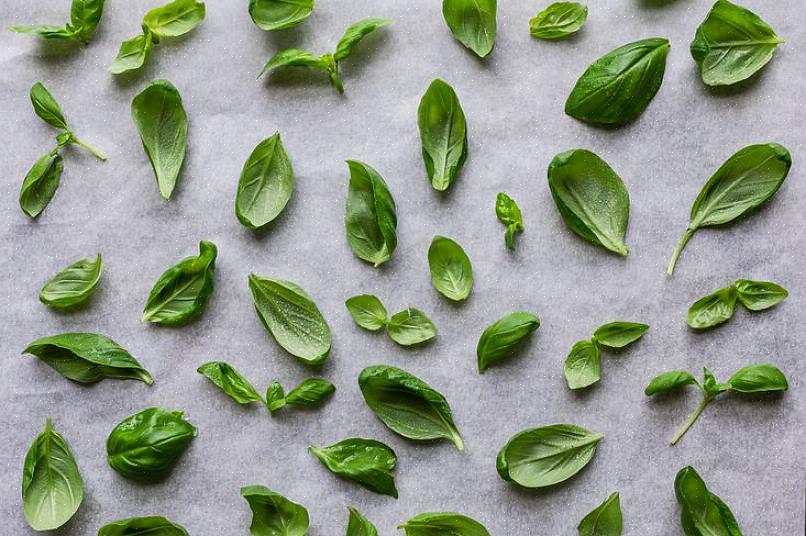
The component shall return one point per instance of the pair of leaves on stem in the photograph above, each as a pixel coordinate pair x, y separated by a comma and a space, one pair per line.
702, 513
409, 327
171, 20
442, 523
763, 378
604, 520
85, 15
443, 133
559, 20
504, 338
329, 62
368, 462
472, 23
74, 285
583, 364
271, 15
451, 271
370, 217
265, 185
718, 307
151, 525
509, 213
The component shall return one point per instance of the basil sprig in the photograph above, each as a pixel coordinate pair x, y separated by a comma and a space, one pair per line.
365, 461
408, 327
134, 526
443, 133
358, 525
265, 185
85, 15
74, 285
370, 217
309, 393
718, 307
504, 338
605, 520
509, 213
702, 513
273, 15
583, 364
473, 23
451, 271
559, 20
273, 514
443, 523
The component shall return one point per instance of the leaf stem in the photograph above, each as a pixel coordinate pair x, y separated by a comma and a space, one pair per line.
691, 420
335, 79
679, 249
90, 148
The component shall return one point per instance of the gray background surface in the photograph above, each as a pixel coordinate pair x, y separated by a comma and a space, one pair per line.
749, 450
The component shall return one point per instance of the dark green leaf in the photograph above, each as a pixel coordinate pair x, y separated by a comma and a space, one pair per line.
559, 20
583, 365
40, 184
472, 23
142, 526
713, 309
355, 33
230, 381
175, 18
451, 271
370, 217
132, 54
619, 334
508, 213
669, 381
443, 524
762, 378
73, 285
359, 525
367, 311
46, 106
265, 185
759, 295
443, 133
310, 393
273, 514
504, 338
605, 520
366, 461
411, 327
701, 512
272, 15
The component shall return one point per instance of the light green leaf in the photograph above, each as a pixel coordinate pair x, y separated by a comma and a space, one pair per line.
293, 57
132, 55
273, 15
370, 216
411, 327
355, 33
367, 311
265, 185
273, 514
759, 295
40, 184
764, 378
505, 337
46, 106
508, 213
559, 20
365, 461
85, 15
359, 525
619, 334
583, 365
310, 393
605, 520
45, 31
451, 271
230, 381
175, 18
443, 524
73, 285
472, 23
669, 381
701, 512
142, 526
714, 309
443, 133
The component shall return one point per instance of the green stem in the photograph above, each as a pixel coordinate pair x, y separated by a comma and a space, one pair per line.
90, 148
679, 249
691, 420
335, 79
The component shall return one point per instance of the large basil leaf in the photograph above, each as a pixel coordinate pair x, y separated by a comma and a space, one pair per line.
545, 456
292, 317
605, 520
451, 271
701, 512
230, 381
147, 445
732, 44
559, 20
504, 337
371, 217
265, 185
591, 198
583, 365
52, 488
132, 54
84, 18
272, 15
183, 290
367, 311
713, 309
162, 123
620, 85
407, 405
443, 524
354, 34
175, 18
443, 132
73, 285
411, 327
748, 179
358, 525
619, 334
366, 461
46, 107
273, 514
142, 526
88, 358
764, 378
40, 184
509, 213
472, 23
759, 295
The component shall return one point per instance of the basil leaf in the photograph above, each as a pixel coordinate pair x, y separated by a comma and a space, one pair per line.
148, 444
73, 285
265, 185
583, 365
273, 514
411, 327
230, 381
732, 44
366, 461
310, 393
133, 54
359, 525
443, 523
713, 309
443, 132
451, 272
275, 397
162, 123
85, 15
52, 488
293, 57
559, 20
407, 405
45, 31
748, 179
292, 318
710, 384
367, 311
141, 526
505, 337
354, 34
175, 18
545, 456
472, 23
669, 381
759, 295
183, 290
762, 378
87, 358
272, 15
40, 184
619, 86
508, 213
605, 520
46, 106
701, 512
591, 198
371, 216
619, 334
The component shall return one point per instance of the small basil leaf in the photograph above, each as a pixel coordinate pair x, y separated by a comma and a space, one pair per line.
545, 456
133, 54
583, 365
45, 31
162, 123
366, 461
442, 524
605, 520
175, 18
451, 271
619, 86
759, 295
407, 405
358, 525
669, 381
40, 184
293, 57
85, 15
443, 133
265, 185
367, 311
73, 285
273, 15
713, 309
273, 514
183, 290
591, 198
508, 213
505, 337
87, 358
46, 106
619, 334
292, 317
701, 512
559, 20
472, 23
732, 44
52, 488
310, 393
411, 327
370, 216
762, 378
355, 33
275, 397
142, 526
230, 381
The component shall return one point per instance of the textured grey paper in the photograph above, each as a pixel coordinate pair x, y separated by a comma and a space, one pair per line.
749, 450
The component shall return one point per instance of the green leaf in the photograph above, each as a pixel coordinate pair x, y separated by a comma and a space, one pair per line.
710, 385
162, 123
472, 23
230, 381
747, 180
291, 316
87, 358
619, 86
142, 526
175, 18
619, 334
46, 106
310, 393
367, 311
273, 514
443, 132
45, 31
355, 33
85, 15
275, 397
132, 55
759, 295
605, 520
559, 20
273, 15
545, 456
411, 327
182, 291
669, 381
366, 461
40, 184
732, 44
713, 309
443, 524
359, 525
508, 213
451, 271
591, 198
293, 57
504, 338
583, 365
407, 405
73, 285
52, 488
371, 216
762, 378
701, 512
265, 185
